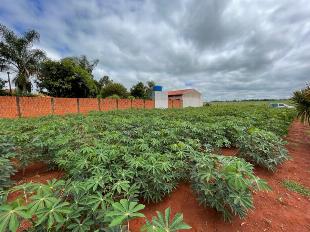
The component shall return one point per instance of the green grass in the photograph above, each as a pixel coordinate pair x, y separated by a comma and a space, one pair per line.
296, 187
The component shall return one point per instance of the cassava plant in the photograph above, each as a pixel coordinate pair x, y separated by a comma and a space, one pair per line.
262, 148
164, 223
68, 206
138, 154
225, 183
6, 171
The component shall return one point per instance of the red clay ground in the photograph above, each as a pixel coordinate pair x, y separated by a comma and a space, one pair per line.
278, 210
34, 172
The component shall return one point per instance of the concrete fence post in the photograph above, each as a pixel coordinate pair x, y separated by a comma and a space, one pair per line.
19, 114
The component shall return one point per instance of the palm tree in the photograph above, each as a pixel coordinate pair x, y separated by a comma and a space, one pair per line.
302, 101
17, 54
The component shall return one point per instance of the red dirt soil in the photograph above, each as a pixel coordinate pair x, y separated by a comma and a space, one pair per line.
35, 172
278, 210
32, 169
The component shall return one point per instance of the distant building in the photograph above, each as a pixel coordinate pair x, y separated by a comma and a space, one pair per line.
189, 97
186, 97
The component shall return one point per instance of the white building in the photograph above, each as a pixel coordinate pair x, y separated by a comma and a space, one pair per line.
189, 97
161, 99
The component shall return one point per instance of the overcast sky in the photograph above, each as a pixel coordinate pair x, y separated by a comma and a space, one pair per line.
226, 49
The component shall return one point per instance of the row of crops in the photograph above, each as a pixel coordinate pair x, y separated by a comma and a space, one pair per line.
112, 160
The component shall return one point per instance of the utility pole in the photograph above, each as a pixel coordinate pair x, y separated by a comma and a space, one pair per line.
9, 80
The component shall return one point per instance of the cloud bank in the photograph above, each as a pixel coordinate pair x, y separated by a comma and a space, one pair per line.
226, 49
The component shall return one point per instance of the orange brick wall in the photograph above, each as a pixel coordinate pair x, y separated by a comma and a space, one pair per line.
65, 106
8, 107
149, 104
137, 104
108, 104
88, 104
42, 106
124, 104
35, 106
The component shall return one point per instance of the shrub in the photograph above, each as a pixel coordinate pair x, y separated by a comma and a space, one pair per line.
225, 183
302, 101
263, 148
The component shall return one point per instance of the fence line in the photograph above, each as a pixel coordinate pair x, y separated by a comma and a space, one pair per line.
15, 106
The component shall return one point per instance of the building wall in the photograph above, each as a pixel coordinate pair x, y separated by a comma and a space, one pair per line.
193, 99
161, 99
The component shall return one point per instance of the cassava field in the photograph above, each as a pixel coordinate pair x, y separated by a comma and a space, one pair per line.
226, 167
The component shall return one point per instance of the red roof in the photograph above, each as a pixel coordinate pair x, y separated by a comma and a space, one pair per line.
179, 92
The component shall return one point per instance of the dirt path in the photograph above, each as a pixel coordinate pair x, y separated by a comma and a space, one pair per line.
278, 210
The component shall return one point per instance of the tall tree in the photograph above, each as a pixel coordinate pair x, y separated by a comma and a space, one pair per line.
114, 89
82, 61
138, 90
65, 78
142, 91
149, 89
17, 53
105, 80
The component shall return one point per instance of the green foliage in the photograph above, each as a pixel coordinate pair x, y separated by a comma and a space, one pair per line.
66, 78
54, 214
58, 205
263, 148
103, 81
114, 89
124, 211
138, 90
114, 96
142, 91
11, 215
296, 187
225, 183
302, 101
16, 54
164, 223
6, 171
84, 63
140, 154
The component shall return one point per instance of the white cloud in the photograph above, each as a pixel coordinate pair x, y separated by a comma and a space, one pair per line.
226, 49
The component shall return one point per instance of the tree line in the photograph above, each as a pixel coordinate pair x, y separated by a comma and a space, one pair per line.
68, 77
